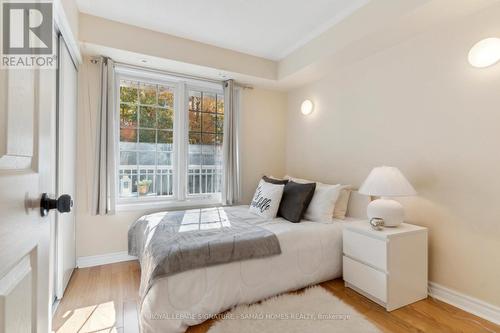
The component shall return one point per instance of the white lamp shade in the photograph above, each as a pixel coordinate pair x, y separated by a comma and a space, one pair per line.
387, 182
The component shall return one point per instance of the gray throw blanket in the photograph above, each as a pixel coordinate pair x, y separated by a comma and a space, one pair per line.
167, 243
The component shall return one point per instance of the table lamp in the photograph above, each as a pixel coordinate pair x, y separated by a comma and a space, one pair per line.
386, 182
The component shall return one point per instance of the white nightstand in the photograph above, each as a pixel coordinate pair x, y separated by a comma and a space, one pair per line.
387, 266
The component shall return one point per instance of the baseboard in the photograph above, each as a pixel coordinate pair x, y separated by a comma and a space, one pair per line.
467, 303
103, 259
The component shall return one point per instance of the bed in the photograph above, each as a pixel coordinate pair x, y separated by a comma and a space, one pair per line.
311, 252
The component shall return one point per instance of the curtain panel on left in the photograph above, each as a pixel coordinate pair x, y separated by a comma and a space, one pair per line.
103, 200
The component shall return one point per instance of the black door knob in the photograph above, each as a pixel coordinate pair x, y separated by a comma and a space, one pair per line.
63, 204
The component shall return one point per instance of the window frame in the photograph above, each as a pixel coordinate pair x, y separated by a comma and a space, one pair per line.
187, 88
181, 86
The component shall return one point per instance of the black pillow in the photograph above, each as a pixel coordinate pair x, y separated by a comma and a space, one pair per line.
275, 181
295, 200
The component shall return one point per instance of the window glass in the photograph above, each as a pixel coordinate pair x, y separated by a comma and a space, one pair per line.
206, 123
146, 139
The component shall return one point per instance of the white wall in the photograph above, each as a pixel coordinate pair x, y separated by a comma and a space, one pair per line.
263, 118
421, 107
144, 42
72, 15
263, 122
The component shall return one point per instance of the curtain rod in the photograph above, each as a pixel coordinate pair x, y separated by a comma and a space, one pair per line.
184, 76
159, 71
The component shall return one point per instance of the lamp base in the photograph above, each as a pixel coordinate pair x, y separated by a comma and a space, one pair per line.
390, 210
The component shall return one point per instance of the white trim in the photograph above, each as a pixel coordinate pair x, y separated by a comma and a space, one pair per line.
139, 205
467, 303
62, 25
103, 259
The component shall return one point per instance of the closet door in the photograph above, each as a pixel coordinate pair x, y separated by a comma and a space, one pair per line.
66, 166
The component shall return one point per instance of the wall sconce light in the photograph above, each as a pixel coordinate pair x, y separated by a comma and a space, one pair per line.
485, 53
307, 107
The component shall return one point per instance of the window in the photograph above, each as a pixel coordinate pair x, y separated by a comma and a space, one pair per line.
171, 136
206, 123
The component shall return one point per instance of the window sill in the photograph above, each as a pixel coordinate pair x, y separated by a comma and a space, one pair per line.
138, 205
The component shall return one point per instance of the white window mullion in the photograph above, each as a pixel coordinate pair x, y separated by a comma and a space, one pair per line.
180, 141
155, 175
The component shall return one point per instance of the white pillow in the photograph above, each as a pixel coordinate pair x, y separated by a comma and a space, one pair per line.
323, 203
342, 202
266, 199
300, 180
340, 209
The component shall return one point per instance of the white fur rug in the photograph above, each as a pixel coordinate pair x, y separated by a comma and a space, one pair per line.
315, 310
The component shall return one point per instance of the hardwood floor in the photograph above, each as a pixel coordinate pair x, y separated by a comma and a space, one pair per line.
100, 299
104, 299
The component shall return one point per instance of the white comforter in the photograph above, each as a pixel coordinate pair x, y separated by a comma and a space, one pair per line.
311, 253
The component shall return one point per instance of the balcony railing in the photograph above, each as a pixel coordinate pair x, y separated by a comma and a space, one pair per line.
202, 179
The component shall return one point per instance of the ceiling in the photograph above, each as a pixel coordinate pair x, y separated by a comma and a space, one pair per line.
270, 29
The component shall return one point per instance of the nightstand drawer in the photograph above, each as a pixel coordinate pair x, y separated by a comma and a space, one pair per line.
365, 249
366, 278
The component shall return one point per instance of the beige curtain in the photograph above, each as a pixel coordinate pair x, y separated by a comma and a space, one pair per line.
231, 176
106, 139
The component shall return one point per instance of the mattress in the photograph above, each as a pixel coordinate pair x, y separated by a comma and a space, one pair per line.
311, 253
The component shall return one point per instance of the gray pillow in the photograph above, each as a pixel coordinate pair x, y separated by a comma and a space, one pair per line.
295, 200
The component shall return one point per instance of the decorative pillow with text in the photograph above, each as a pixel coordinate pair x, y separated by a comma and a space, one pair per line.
266, 199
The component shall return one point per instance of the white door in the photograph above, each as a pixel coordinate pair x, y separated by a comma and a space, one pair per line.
66, 166
27, 118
